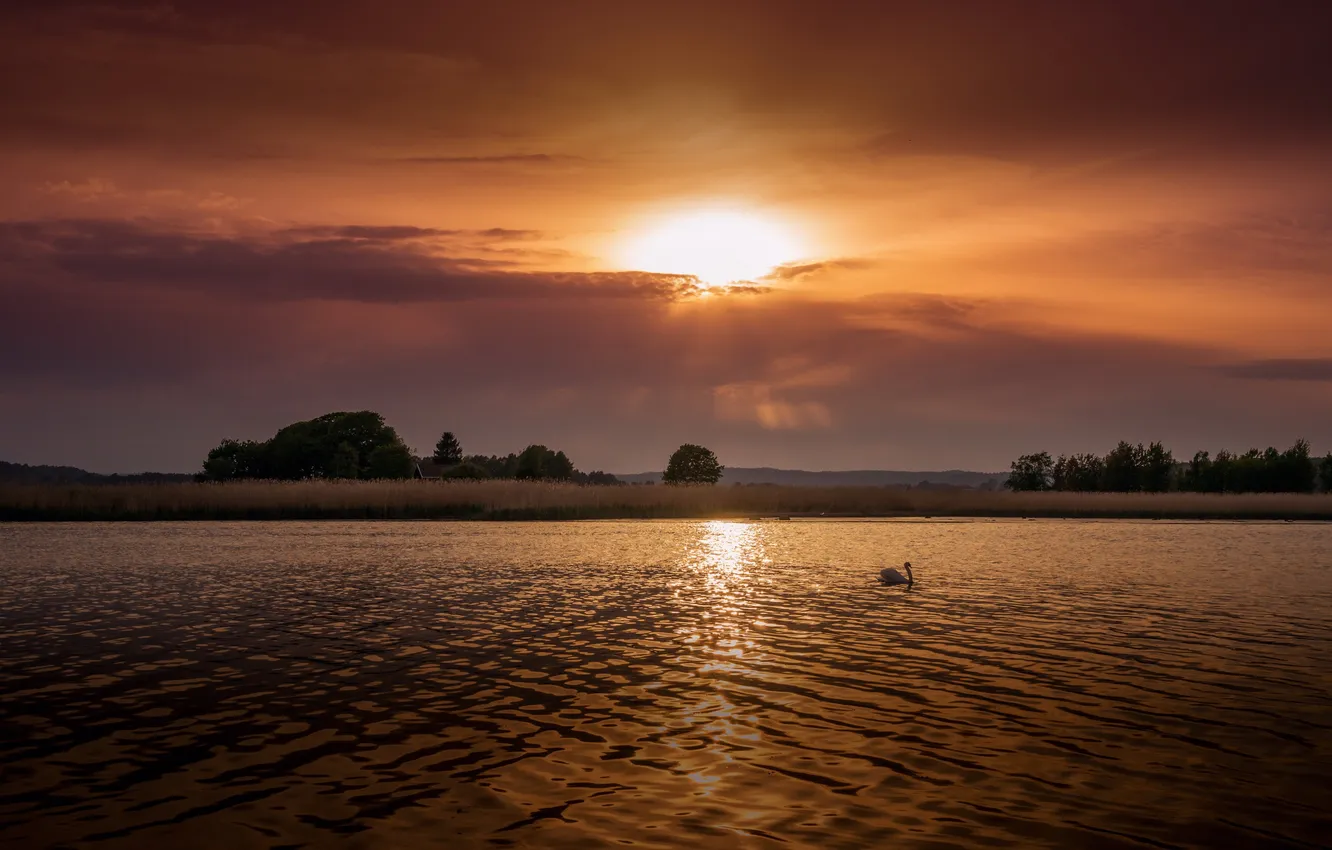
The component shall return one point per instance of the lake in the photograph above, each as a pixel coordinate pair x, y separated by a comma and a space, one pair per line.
729, 684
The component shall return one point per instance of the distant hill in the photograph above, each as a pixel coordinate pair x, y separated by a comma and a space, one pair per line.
849, 478
22, 473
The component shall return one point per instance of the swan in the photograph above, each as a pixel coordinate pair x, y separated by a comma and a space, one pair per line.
890, 576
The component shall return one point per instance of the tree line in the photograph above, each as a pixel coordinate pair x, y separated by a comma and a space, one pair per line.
1153, 469
360, 445
689, 464
534, 463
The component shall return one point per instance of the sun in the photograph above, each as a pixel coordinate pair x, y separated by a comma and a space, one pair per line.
718, 246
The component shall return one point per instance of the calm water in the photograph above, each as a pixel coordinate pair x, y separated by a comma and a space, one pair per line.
406, 685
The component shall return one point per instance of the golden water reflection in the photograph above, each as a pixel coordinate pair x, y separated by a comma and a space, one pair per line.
409, 685
719, 578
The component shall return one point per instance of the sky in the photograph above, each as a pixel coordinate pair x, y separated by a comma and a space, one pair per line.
967, 230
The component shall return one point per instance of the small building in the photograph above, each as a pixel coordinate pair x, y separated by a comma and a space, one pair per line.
428, 470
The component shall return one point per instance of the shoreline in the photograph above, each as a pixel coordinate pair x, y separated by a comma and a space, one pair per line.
496, 500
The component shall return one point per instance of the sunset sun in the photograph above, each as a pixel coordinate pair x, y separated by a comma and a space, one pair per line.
716, 246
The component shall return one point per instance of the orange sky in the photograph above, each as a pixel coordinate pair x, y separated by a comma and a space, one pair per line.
1048, 225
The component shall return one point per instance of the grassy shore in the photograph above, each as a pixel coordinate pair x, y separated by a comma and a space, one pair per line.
519, 500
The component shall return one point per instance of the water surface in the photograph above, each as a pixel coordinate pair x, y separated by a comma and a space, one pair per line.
413, 685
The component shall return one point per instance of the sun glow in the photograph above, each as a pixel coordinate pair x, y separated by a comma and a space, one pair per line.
717, 246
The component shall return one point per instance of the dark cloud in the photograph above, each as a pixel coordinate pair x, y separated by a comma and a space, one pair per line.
1281, 369
1046, 78
387, 233
347, 263
497, 159
505, 233
392, 233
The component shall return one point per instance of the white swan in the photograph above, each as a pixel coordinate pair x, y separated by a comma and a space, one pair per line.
890, 576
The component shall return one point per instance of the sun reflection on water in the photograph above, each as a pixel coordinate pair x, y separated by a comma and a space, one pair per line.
723, 571
725, 553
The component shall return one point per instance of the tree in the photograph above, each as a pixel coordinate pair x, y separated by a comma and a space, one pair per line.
1082, 473
1325, 472
1199, 476
465, 471
1031, 472
335, 445
1124, 468
345, 463
391, 460
1246, 473
448, 451
233, 459
1298, 472
1224, 473
1061, 474
1157, 464
692, 464
538, 463
494, 465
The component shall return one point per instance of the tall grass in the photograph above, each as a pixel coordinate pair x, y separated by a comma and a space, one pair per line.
267, 500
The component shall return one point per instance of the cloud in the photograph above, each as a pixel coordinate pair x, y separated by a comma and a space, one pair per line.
799, 271
377, 233
1048, 81
392, 233
91, 189
349, 263
496, 159
1296, 243
259, 327
759, 403
1281, 369
508, 234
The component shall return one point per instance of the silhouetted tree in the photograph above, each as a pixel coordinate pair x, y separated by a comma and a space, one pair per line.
494, 465
391, 460
1224, 472
537, 462
1198, 474
1157, 465
323, 447
1325, 472
1298, 474
1061, 473
234, 459
1031, 472
1083, 473
1246, 473
448, 450
345, 463
1124, 468
692, 464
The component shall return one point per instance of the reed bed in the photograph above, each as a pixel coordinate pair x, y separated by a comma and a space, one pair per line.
525, 500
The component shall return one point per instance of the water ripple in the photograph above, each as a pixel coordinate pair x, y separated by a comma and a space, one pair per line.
1103, 684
